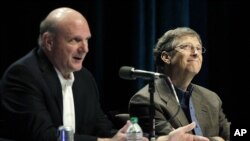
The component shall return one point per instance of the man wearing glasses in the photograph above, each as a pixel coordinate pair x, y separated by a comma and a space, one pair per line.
178, 55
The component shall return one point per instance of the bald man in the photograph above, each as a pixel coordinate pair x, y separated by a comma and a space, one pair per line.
35, 87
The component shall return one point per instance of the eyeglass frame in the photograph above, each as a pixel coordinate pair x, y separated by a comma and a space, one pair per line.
189, 47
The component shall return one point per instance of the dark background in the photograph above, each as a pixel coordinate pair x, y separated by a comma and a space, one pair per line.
124, 33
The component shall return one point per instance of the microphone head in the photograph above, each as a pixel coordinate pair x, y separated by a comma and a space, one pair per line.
126, 72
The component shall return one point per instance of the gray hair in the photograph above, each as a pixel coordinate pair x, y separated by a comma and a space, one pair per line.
46, 26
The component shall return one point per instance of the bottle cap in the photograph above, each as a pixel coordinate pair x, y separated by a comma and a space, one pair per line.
134, 119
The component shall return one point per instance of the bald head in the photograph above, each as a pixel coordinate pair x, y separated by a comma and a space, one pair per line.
60, 14
57, 19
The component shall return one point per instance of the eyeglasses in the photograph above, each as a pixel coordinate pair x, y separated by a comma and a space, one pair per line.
190, 48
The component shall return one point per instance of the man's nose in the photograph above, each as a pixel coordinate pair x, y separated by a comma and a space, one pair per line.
84, 47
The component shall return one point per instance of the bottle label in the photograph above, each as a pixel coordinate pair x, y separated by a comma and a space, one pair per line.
134, 136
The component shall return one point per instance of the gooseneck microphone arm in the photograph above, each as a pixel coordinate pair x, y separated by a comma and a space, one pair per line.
173, 89
176, 97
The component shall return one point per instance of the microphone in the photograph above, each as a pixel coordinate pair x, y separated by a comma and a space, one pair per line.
131, 73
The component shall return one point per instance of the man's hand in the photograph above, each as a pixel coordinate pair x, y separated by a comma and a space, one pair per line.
181, 134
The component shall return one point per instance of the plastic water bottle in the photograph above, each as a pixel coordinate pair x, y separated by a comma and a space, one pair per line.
134, 132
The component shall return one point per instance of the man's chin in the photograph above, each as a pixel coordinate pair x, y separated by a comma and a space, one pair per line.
77, 68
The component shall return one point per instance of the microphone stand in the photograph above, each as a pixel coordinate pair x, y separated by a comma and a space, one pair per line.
151, 90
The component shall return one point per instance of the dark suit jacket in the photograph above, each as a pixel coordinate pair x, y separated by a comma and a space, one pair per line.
207, 104
32, 102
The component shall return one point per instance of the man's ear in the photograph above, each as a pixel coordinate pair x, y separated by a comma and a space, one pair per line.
48, 41
165, 57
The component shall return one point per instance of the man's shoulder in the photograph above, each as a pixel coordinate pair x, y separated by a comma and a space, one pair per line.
141, 96
27, 61
201, 88
84, 75
205, 92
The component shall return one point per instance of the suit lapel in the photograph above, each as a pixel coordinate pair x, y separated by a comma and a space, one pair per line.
199, 105
197, 102
168, 97
51, 79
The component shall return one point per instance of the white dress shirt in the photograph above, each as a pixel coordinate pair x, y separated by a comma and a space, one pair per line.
68, 100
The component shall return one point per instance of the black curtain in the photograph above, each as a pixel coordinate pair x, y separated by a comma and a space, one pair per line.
124, 32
